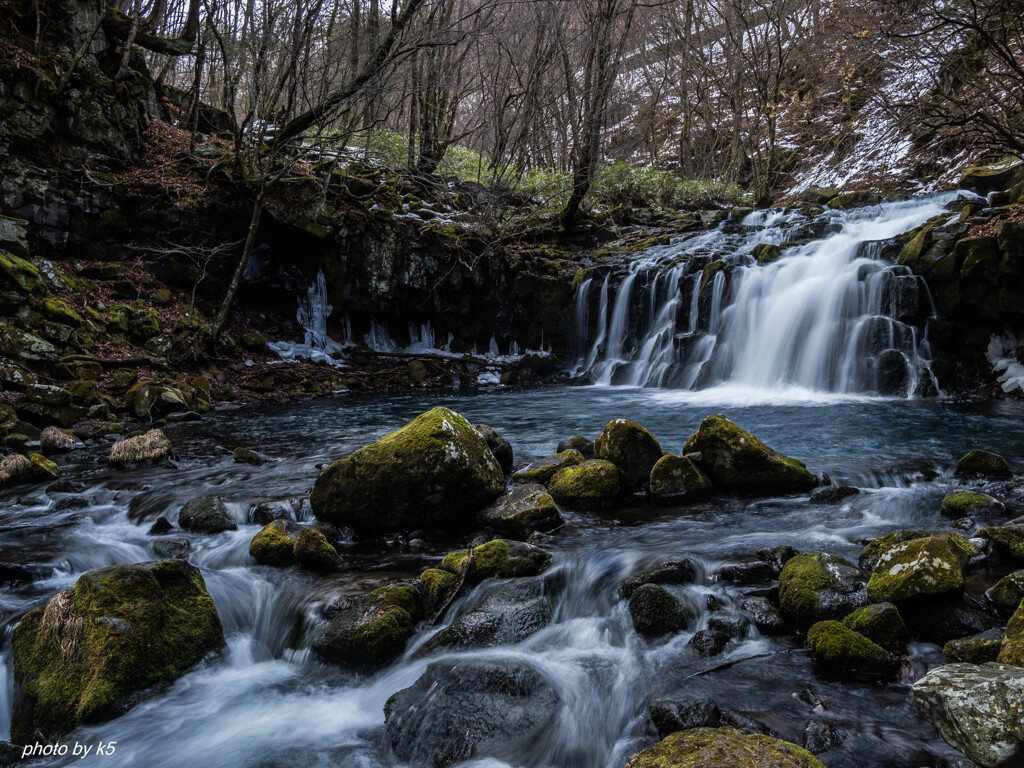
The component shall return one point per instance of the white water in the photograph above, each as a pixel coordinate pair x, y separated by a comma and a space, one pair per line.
817, 320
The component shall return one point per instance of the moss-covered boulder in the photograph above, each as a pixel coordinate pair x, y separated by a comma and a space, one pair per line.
543, 469
504, 559
723, 748
976, 649
656, 611
243, 455
591, 483
500, 447
273, 545
1007, 593
435, 472
149, 448
837, 646
1006, 540
254, 342
57, 311
147, 400
94, 650
733, 459
818, 586
983, 463
992, 178
881, 624
18, 278
436, 588
41, 469
681, 571
766, 253
578, 443
928, 566
371, 630
875, 548
206, 514
676, 478
1012, 651
521, 511
963, 503
314, 552
631, 448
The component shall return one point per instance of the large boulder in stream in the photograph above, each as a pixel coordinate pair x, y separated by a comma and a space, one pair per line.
206, 514
504, 559
977, 710
677, 479
96, 649
1012, 651
522, 511
926, 566
150, 448
984, 463
370, 630
840, 648
435, 472
814, 587
733, 459
631, 448
589, 484
723, 748
473, 708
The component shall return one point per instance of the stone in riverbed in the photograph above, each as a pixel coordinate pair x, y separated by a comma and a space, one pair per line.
977, 649
708, 642
838, 647
681, 571
1013, 646
1006, 540
243, 455
656, 611
928, 566
522, 511
504, 559
984, 463
436, 588
274, 545
589, 484
818, 586
881, 624
577, 443
436, 471
149, 448
632, 449
963, 503
314, 552
371, 630
733, 459
976, 709
500, 447
875, 548
676, 478
834, 494
543, 469
206, 514
723, 748
1007, 593
765, 616
56, 440
671, 716
99, 647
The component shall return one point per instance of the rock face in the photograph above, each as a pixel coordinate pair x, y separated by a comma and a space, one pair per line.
148, 448
207, 514
976, 709
676, 478
814, 587
927, 566
978, 462
733, 459
436, 471
522, 511
458, 710
723, 748
631, 448
371, 630
588, 484
89, 654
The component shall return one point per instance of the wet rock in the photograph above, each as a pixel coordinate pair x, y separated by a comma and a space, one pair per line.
475, 708
733, 459
983, 463
681, 571
160, 526
149, 448
543, 469
504, 559
500, 447
96, 649
172, 549
677, 479
314, 552
875, 548
943, 618
577, 443
840, 648
834, 494
522, 511
436, 588
778, 556
929, 566
506, 615
671, 716
746, 573
370, 630
243, 455
54, 440
814, 587
436, 471
274, 545
976, 709
821, 737
206, 514
765, 616
632, 449
1006, 540
1007, 593
881, 624
722, 748
708, 642
731, 624
656, 611
966, 503
977, 649
1012, 651
263, 512
588, 484
147, 400
14, 468
892, 374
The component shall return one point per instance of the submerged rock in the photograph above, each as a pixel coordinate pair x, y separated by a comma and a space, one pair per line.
838, 647
984, 463
274, 545
966, 503
834, 494
149, 448
676, 478
733, 459
504, 559
928, 566
632, 449
588, 484
723, 748
656, 611
708, 642
814, 587
476, 708
543, 469
371, 630
976, 709
436, 471
207, 514
94, 650
522, 511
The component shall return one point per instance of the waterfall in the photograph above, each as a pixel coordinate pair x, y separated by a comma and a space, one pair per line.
829, 315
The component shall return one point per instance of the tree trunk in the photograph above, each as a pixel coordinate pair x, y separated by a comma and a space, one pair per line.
236, 279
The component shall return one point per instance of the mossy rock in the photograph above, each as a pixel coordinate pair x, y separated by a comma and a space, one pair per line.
1012, 651
837, 646
723, 748
985, 463
243, 455
18, 278
588, 484
818, 586
274, 545
733, 459
41, 469
436, 587
977, 649
314, 552
144, 323
875, 548
500, 447
578, 443
963, 503
833, 494
681, 571
928, 566
656, 611
631, 448
677, 479
543, 469
95, 650
856, 199
913, 253
254, 342
57, 311
504, 559
436, 471
162, 297
148, 448
881, 624
992, 178
1007, 540
417, 371
371, 630
1007, 593
766, 253
522, 511
206, 514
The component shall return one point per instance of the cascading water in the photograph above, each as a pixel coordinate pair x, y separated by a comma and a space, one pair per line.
828, 315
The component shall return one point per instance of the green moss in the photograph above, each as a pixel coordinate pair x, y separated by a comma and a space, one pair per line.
1008, 540
15, 270
875, 548
965, 503
631, 448
41, 468
436, 587
836, 645
273, 545
118, 632
979, 649
314, 552
927, 566
488, 558
881, 624
1008, 592
57, 311
802, 580
244, 455
723, 748
1012, 651
978, 462
766, 253
914, 251
591, 482
711, 270
677, 478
